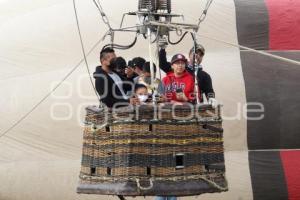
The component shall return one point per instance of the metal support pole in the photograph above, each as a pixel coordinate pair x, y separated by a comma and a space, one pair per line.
196, 68
151, 64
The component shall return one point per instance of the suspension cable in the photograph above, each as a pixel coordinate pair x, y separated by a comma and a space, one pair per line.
102, 13
105, 20
22, 118
204, 13
253, 50
83, 51
238, 45
48, 94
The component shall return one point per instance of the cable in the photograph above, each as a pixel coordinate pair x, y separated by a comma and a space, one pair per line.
47, 95
244, 47
105, 20
122, 47
83, 51
235, 45
247, 48
65, 77
253, 50
102, 13
175, 43
204, 13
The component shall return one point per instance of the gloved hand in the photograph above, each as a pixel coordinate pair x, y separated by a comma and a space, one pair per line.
213, 102
162, 42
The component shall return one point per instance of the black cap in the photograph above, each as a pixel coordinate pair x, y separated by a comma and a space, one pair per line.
178, 57
120, 63
138, 62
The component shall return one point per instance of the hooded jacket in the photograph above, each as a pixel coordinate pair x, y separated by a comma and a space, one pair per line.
185, 83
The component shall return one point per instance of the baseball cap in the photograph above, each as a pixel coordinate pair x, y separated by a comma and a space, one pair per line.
138, 62
178, 57
199, 47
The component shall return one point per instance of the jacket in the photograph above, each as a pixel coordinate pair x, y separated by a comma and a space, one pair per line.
185, 83
203, 78
109, 92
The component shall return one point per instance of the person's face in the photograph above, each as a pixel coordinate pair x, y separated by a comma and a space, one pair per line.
121, 70
141, 91
178, 67
198, 58
146, 74
108, 58
138, 71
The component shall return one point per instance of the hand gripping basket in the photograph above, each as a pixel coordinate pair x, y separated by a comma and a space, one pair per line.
151, 150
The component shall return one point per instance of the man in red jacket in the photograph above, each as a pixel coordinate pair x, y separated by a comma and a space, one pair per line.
179, 84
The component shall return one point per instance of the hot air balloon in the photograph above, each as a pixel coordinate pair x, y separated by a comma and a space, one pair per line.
252, 55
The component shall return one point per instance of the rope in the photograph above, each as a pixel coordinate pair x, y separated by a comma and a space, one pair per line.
214, 184
135, 178
48, 94
230, 44
253, 50
142, 187
83, 51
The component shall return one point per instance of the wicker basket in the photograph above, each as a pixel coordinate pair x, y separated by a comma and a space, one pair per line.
153, 150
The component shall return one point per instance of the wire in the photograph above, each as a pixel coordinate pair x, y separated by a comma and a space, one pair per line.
209, 2
47, 95
105, 20
253, 50
244, 47
175, 43
204, 13
102, 13
83, 51
122, 47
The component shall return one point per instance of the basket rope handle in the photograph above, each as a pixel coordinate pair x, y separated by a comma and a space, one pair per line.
144, 188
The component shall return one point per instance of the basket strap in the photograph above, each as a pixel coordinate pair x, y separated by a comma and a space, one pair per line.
144, 188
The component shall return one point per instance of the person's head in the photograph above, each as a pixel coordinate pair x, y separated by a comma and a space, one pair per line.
178, 64
118, 64
199, 53
147, 70
141, 92
137, 63
106, 55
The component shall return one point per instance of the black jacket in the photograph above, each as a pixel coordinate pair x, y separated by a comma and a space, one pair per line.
203, 78
105, 84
